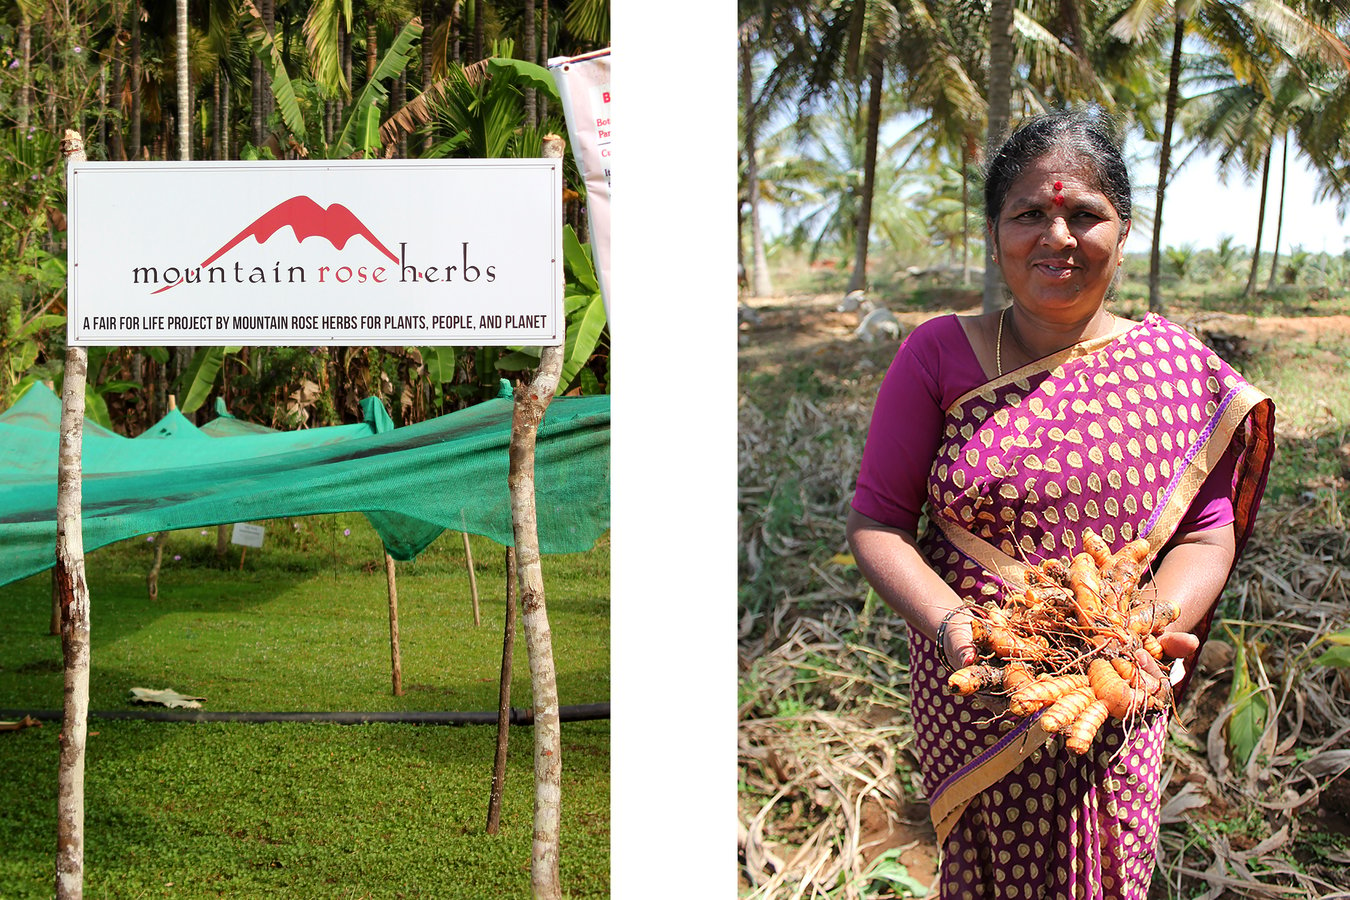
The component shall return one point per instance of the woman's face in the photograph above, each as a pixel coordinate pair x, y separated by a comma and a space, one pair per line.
1058, 238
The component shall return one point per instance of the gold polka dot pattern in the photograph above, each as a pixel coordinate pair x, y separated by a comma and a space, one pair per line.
1098, 439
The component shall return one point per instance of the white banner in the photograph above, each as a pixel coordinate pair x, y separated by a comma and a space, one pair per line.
583, 83
336, 253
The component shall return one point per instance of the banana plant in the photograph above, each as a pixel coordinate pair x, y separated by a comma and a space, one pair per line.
585, 309
359, 132
197, 380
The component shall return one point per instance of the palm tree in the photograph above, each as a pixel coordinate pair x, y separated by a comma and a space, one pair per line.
1000, 101
771, 32
1245, 34
762, 286
1242, 122
184, 84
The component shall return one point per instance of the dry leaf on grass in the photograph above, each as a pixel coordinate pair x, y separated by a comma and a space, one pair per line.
166, 697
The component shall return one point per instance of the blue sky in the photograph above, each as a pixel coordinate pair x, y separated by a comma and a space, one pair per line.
1199, 209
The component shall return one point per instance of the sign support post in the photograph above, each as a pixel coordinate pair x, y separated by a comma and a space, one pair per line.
531, 402
74, 596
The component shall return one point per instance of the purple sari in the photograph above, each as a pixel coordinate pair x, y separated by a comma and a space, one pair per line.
1116, 434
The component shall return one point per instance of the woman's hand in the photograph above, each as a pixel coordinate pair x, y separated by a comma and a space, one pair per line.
957, 639
1177, 645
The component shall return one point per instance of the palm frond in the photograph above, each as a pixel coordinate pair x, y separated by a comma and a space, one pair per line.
1141, 19
322, 30
419, 110
265, 46
588, 20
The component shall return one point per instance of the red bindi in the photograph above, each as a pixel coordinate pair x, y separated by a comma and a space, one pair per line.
1059, 199
1059, 185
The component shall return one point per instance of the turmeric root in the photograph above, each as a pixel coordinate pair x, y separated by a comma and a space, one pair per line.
1060, 714
1042, 692
1084, 729
975, 678
1120, 698
1063, 645
1152, 618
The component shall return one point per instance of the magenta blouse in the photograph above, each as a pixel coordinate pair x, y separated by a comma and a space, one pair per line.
935, 366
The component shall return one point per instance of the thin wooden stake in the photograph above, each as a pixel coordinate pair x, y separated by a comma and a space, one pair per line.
55, 627
74, 593
494, 818
473, 579
395, 661
152, 577
528, 414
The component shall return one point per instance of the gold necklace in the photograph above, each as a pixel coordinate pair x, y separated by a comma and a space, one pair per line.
998, 341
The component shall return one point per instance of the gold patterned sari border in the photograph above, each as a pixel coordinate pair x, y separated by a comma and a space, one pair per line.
1045, 363
1204, 462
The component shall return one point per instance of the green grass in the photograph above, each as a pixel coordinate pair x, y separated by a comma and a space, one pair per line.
236, 810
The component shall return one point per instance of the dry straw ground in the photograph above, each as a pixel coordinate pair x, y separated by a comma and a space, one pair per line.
829, 802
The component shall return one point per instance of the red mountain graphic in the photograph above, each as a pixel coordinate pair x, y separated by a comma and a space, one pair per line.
336, 224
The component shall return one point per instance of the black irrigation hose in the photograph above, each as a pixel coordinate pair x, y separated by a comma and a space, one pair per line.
519, 716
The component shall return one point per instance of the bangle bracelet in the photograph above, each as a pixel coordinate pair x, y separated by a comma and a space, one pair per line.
942, 627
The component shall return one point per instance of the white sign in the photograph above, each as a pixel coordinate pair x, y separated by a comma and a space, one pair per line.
583, 84
336, 253
247, 535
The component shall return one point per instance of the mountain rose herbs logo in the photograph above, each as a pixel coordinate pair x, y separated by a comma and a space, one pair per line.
337, 225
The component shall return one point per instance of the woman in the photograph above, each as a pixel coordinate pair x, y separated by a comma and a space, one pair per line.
1014, 432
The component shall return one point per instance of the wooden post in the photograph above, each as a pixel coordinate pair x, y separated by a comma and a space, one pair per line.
395, 660
473, 579
74, 592
530, 405
494, 818
152, 577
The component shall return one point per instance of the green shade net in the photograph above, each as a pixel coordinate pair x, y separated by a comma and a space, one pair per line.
411, 483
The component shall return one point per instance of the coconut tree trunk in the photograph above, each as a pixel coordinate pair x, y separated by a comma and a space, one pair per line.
1000, 106
225, 117
456, 26
1155, 300
116, 142
965, 213
479, 51
428, 9
74, 595
531, 51
256, 83
372, 43
1279, 215
1260, 225
268, 10
530, 405
184, 86
134, 133
216, 126
543, 55
762, 286
876, 77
